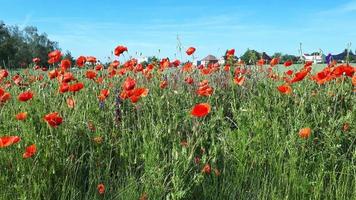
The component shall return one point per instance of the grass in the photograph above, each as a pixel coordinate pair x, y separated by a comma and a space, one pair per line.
250, 140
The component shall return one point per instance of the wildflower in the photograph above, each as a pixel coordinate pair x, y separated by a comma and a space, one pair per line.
25, 96
30, 151
288, 63
76, 87
201, 110
305, 133
101, 188
54, 56
190, 51
6, 141
81, 61
21, 116
91, 59
230, 53
119, 50
90, 74
53, 119
65, 64
239, 81
274, 61
285, 89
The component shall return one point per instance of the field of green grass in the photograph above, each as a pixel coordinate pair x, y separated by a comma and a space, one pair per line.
247, 147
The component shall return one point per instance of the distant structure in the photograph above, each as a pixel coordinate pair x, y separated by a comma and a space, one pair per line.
266, 57
210, 59
314, 57
341, 57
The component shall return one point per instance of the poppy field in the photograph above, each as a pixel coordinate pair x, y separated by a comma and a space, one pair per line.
169, 129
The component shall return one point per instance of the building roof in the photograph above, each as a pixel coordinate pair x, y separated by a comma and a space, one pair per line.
210, 58
265, 56
343, 55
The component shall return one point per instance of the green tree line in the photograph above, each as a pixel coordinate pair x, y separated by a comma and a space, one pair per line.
19, 46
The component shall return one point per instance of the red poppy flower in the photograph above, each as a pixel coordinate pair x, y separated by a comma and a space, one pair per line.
308, 64
189, 80
3, 74
101, 188
64, 87
91, 74
305, 133
129, 84
66, 77
53, 119
5, 96
260, 62
205, 90
65, 64
119, 50
99, 80
30, 151
289, 72
98, 67
6, 141
285, 89
288, 63
200, 110
300, 75
187, 67
230, 53
104, 94
81, 61
134, 95
91, 59
54, 56
239, 80
142, 92
21, 116
176, 63
115, 64
53, 74
76, 87
25, 96
343, 69
274, 61
190, 51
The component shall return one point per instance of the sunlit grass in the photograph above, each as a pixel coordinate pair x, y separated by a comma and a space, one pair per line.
250, 140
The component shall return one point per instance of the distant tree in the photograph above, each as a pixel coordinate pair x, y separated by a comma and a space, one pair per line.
19, 47
286, 57
250, 56
277, 55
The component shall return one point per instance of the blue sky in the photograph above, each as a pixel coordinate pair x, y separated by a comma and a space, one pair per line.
97, 27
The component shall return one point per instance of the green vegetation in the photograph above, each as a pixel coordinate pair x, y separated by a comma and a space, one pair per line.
156, 149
